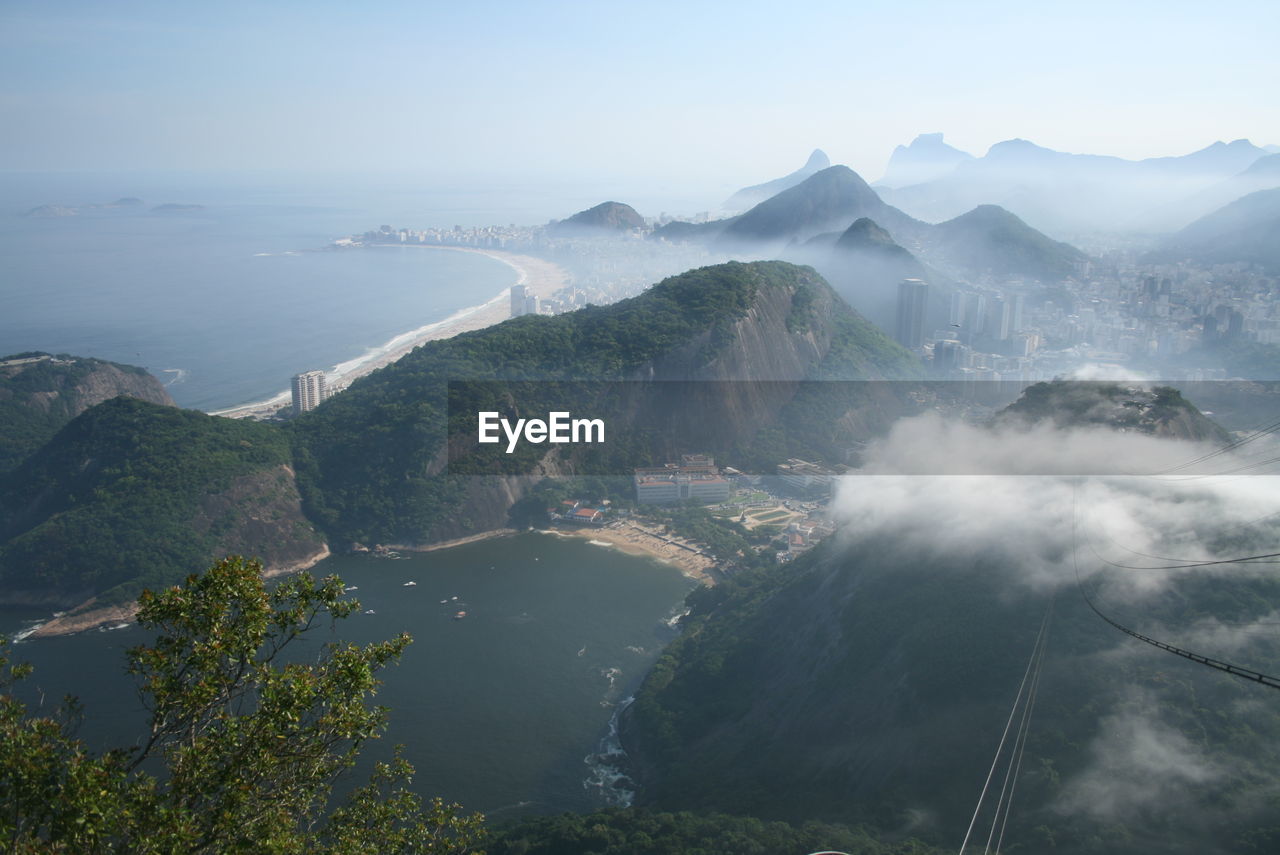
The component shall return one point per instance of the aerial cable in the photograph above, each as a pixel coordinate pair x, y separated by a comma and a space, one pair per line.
1017, 700
1234, 670
1005, 803
1020, 746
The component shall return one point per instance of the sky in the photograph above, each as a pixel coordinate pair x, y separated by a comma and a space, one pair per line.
708, 93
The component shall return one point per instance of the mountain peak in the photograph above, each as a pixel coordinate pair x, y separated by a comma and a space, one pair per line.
817, 161
757, 193
927, 158
865, 233
607, 216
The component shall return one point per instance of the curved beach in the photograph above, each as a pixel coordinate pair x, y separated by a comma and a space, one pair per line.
541, 277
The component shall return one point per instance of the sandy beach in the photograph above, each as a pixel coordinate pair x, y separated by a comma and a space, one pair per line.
638, 539
541, 277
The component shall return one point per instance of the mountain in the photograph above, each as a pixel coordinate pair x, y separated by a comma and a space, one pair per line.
40, 393
864, 264
1247, 230
748, 197
1159, 411
605, 218
989, 239
869, 680
130, 494
1063, 193
374, 462
1262, 174
825, 201
927, 158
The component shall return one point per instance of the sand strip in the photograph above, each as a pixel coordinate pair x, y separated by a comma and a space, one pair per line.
541, 277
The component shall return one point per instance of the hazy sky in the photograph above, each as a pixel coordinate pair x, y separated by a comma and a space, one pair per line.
732, 92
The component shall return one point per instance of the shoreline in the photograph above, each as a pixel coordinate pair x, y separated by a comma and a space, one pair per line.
85, 617
543, 278
635, 539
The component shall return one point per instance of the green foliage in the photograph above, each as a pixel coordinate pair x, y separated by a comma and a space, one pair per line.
371, 462
108, 505
634, 831
858, 686
250, 741
39, 398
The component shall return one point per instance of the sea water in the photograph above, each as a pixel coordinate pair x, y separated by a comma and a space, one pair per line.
223, 303
504, 710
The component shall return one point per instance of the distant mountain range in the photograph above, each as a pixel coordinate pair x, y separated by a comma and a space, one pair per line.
748, 197
818, 222
1247, 230
990, 239
927, 158
1063, 194
829, 200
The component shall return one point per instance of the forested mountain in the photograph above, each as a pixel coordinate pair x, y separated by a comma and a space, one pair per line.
869, 681
373, 461
39, 393
1247, 230
131, 495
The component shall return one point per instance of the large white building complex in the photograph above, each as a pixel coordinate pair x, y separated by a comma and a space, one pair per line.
695, 477
309, 389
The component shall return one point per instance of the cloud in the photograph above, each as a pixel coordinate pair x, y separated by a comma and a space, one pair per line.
1044, 498
1139, 765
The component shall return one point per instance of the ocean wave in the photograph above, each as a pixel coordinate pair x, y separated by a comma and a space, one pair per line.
607, 776
179, 376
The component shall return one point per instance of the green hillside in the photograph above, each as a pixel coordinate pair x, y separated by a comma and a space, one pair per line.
131, 495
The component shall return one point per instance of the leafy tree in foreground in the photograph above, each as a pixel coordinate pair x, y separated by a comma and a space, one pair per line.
251, 743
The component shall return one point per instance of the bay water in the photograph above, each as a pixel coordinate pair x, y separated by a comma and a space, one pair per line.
502, 710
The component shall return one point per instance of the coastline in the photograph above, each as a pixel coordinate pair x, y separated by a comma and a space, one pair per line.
543, 278
635, 539
85, 617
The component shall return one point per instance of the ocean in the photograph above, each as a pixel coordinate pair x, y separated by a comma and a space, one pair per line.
225, 303
504, 710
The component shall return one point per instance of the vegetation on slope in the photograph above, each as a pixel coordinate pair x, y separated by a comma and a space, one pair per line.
114, 502
370, 460
245, 745
635, 831
37, 398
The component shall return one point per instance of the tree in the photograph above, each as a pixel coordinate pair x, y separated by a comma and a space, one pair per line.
250, 739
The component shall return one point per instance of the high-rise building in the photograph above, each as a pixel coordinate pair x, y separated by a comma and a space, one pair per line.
519, 297
913, 300
309, 389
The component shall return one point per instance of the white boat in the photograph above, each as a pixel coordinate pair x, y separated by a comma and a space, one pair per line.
409, 584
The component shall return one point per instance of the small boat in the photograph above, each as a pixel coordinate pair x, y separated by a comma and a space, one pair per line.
459, 615
369, 611
444, 602
408, 584
351, 588
453, 598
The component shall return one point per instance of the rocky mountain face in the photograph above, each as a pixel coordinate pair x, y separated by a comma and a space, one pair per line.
927, 158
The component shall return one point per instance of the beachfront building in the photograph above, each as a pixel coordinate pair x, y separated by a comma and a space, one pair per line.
694, 477
524, 303
806, 478
309, 389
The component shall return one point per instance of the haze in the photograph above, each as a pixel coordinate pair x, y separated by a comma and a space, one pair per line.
715, 94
